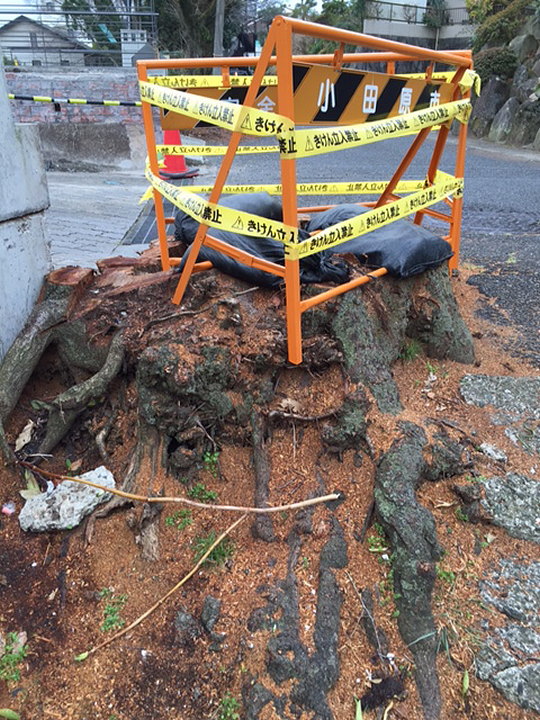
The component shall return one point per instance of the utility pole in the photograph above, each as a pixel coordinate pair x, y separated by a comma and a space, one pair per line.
218, 32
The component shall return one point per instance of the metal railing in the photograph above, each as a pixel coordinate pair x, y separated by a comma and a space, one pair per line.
52, 37
402, 12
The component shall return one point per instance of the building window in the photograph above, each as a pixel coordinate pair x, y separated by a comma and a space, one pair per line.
33, 40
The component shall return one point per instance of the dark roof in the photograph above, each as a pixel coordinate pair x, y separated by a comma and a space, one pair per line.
54, 31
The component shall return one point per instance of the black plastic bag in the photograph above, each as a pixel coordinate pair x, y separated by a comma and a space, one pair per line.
401, 247
317, 268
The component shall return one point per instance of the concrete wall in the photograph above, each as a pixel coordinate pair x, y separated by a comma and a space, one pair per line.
24, 254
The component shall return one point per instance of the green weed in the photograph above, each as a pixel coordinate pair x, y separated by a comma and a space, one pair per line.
199, 492
475, 478
181, 519
228, 705
460, 515
447, 576
14, 654
210, 462
410, 350
112, 620
377, 542
219, 554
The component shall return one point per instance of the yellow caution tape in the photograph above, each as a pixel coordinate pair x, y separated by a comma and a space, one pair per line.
221, 217
214, 149
444, 186
186, 82
304, 143
370, 187
250, 121
147, 194
73, 101
470, 79
341, 188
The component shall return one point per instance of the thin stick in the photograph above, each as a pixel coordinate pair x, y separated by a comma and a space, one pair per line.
183, 313
185, 501
303, 418
167, 595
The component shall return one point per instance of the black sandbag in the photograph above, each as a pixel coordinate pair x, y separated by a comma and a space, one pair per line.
401, 247
313, 269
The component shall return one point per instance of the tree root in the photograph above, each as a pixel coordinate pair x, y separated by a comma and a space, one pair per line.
262, 526
146, 447
23, 356
102, 435
66, 407
5, 450
411, 531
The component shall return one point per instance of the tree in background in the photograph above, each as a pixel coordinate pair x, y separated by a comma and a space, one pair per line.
186, 27
346, 14
436, 16
102, 21
500, 27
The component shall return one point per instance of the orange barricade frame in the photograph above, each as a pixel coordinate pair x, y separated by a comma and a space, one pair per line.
277, 51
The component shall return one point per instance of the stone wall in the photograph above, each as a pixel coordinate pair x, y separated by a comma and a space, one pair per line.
91, 83
82, 137
508, 111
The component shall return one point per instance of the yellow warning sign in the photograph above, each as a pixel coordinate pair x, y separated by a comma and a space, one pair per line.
323, 95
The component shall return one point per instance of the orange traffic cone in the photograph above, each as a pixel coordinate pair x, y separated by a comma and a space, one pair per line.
175, 167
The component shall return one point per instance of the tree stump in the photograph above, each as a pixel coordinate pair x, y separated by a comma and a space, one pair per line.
208, 374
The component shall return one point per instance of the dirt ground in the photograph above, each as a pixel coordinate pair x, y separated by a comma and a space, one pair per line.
57, 586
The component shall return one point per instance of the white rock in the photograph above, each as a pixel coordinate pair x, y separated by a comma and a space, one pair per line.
67, 504
493, 452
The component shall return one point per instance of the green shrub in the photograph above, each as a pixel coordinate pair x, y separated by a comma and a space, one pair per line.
228, 705
501, 61
500, 28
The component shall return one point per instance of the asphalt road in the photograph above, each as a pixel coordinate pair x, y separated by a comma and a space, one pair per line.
501, 215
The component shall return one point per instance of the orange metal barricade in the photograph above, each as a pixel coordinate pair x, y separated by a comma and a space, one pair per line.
277, 51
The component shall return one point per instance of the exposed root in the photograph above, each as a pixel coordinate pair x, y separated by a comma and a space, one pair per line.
102, 435
184, 501
66, 407
262, 525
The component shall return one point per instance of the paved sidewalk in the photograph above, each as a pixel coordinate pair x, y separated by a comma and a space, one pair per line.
91, 214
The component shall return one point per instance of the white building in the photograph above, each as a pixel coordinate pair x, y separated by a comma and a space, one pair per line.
27, 42
386, 18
